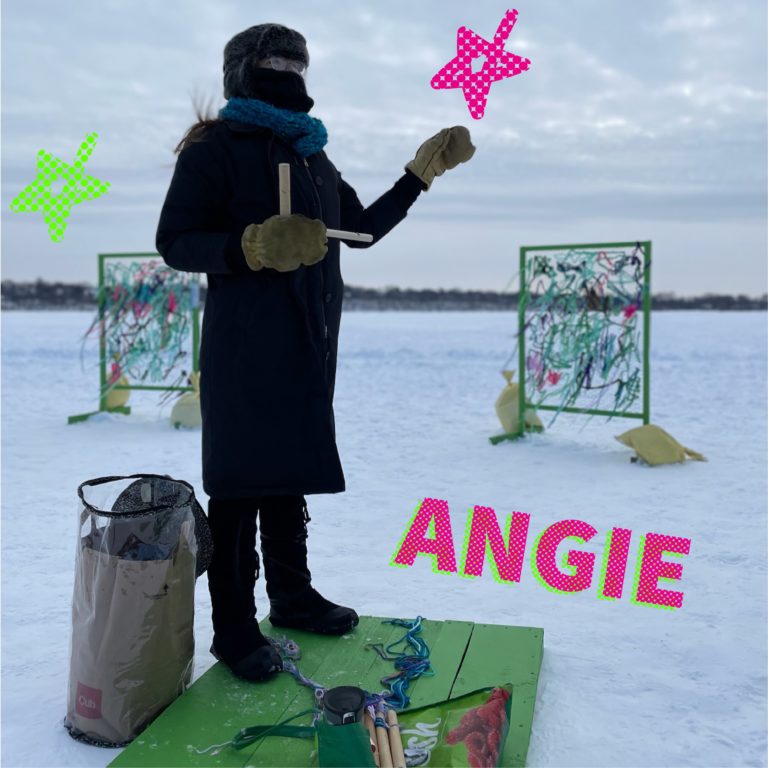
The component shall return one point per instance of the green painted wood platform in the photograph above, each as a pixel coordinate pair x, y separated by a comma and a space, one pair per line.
465, 657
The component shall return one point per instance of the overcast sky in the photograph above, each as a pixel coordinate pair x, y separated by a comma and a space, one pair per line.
635, 121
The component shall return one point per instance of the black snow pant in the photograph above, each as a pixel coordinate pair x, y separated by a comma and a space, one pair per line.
235, 565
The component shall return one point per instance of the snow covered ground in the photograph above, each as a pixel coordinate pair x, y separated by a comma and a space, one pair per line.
621, 684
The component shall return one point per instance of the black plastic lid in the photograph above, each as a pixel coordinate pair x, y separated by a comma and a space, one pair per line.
344, 705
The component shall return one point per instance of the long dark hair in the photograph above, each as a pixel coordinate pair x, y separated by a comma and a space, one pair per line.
206, 117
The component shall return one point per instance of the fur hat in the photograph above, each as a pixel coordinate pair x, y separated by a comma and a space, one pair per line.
260, 42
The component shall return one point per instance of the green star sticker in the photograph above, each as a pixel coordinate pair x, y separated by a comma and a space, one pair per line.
78, 187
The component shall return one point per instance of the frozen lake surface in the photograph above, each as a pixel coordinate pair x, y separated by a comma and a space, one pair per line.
620, 685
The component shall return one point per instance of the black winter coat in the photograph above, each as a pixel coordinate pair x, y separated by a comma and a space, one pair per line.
269, 339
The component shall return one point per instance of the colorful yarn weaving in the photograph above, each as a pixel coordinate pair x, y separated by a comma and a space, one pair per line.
583, 328
145, 320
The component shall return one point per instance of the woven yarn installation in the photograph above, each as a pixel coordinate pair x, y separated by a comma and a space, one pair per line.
583, 334
147, 322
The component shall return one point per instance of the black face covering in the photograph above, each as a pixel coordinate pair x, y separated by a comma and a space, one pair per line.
286, 90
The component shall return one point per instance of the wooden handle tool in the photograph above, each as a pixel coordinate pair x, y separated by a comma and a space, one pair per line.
395, 740
372, 734
284, 175
385, 754
343, 235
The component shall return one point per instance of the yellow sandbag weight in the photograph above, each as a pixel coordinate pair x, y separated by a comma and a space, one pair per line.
186, 410
118, 398
507, 407
655, 446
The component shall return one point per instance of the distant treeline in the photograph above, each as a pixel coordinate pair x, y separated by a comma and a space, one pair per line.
44, 295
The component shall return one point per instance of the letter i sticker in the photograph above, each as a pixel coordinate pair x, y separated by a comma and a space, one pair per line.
614, 564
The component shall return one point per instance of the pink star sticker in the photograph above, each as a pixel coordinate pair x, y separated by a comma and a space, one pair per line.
499, 64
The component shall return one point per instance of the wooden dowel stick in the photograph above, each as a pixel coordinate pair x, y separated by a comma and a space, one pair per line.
342, 235
372, 733
385, 754
395, 740
284, 174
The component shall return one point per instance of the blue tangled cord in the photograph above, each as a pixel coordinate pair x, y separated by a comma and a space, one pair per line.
411, 663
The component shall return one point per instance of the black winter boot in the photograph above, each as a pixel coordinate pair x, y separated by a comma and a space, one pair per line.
237, 638
294, 602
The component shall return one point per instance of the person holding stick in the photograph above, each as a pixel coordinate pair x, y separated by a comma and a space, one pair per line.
271, 326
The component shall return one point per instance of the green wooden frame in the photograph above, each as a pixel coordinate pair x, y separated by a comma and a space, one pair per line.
104, 389
524, 298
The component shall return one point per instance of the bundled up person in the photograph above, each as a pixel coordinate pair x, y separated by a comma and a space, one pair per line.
270, 327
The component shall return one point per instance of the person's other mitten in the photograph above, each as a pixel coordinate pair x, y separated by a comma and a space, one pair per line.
284, 243
445, 150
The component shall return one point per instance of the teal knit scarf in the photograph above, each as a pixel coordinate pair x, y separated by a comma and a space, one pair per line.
306, 134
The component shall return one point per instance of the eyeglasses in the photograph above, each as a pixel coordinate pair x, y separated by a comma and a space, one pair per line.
282, 64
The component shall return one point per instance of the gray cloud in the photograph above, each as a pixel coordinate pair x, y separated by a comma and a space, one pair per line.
633, 117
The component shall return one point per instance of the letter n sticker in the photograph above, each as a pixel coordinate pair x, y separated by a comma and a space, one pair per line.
483, 533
